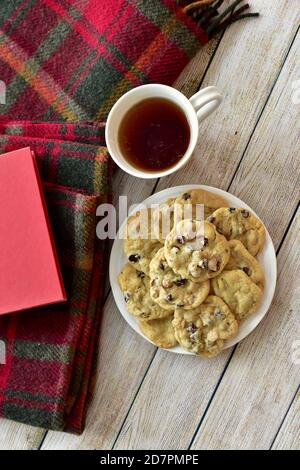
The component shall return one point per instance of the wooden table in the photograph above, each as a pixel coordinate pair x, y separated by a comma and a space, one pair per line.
248, 397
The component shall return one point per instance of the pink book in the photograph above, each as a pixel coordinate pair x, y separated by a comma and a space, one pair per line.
29, 271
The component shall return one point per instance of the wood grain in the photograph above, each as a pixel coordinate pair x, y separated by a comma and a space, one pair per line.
19, 436
269, 173
288, 437
171, 401
261, 379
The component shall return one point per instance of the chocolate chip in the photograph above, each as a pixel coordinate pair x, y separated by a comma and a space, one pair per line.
179, 305
181, 240
205, 241
169, 297
203, 263
180, 282
162, 266
126, 297
140, 274
245, 213
186, 196
193, 336
246, 270
134, 258
191, 328
211, 219
218, 313
231, 209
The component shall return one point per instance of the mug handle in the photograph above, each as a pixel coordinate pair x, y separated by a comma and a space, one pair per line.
205, 102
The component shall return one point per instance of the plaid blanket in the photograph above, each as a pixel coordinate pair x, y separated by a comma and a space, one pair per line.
72, 59
65, 61
50, 350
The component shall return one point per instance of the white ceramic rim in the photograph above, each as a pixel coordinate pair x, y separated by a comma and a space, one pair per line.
267, 259
188, 110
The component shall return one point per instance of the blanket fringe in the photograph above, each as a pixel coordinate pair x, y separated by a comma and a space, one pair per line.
207, 15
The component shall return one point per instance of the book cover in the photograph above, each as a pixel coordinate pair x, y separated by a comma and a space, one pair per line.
29, 270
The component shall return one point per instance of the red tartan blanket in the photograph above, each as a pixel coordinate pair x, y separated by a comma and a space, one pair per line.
70, 60
50, 351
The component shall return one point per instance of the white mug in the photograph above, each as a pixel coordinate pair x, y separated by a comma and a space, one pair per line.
196, 109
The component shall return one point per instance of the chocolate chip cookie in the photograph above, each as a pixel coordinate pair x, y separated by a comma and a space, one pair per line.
240, 258
160, 332
241, 295
170, 290
135, 286
192, 198
240, 224
204, 329
140, 244
196, 251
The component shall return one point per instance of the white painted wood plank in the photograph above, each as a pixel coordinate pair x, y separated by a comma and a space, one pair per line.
261, 379
171, 401
269, 173
18, 436
288, 437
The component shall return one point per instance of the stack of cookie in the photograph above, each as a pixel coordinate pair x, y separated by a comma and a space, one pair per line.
196, 281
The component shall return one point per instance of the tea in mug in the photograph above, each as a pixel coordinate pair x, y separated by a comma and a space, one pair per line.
154, 134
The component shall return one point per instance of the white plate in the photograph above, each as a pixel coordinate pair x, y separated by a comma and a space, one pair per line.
267, 258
